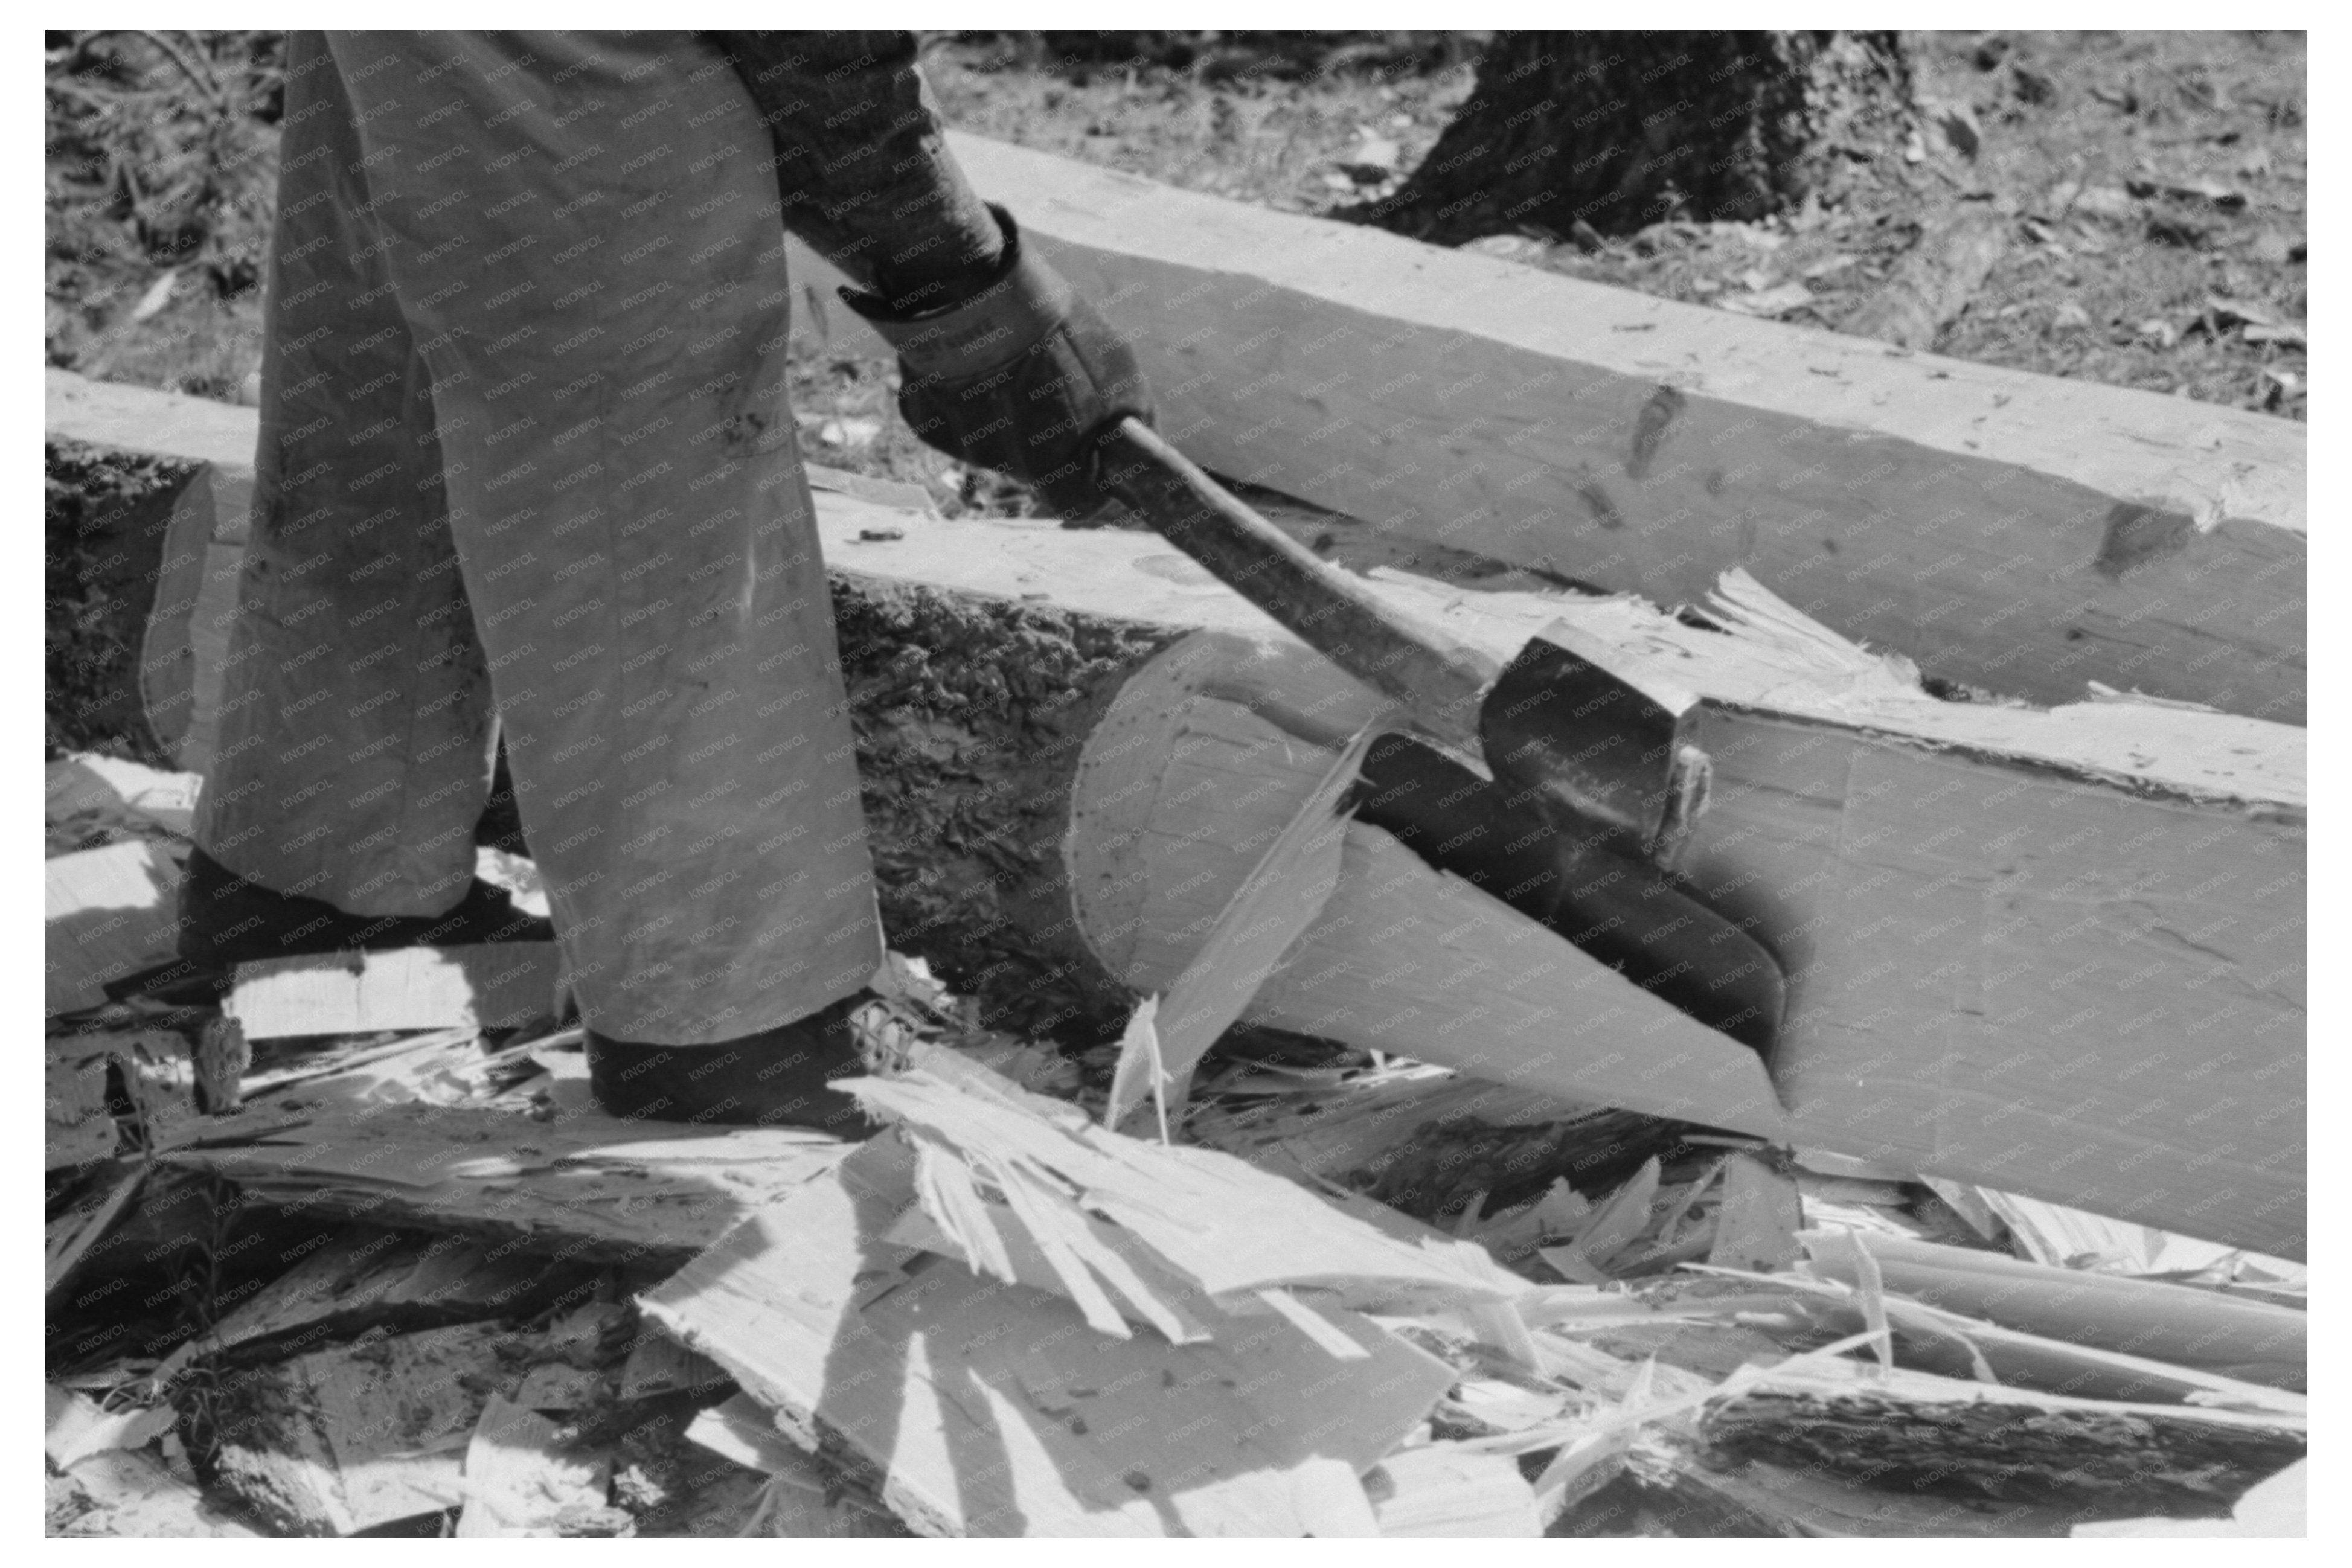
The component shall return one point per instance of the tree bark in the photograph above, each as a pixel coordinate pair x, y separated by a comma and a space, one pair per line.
1615, 129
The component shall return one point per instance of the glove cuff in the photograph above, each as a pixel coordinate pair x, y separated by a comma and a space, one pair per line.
963, 341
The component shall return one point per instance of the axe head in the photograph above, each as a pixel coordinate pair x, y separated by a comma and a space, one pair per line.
1555, 868
1559, 728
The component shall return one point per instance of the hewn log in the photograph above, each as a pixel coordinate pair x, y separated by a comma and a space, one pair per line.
2061, 952
2018, 532
970, 712
105, 516
1816, 747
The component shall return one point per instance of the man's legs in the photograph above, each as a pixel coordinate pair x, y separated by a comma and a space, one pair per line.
583, 232
355, 732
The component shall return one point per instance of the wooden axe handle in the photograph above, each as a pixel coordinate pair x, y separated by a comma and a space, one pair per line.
1437, 680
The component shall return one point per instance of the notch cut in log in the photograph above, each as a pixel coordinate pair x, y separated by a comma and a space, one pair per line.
2057, 952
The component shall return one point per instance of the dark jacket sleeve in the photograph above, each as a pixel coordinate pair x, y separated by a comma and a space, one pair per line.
862, 165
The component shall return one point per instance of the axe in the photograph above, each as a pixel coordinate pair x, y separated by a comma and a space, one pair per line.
1594, 787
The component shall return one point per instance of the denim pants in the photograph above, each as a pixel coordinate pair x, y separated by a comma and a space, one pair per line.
526, 466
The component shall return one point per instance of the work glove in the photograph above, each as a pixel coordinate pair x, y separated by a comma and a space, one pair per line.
1023, 377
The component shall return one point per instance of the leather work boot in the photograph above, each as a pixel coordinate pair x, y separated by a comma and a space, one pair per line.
775, 1078
225, 920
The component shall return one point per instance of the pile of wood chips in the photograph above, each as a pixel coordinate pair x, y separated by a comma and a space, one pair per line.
415, 1284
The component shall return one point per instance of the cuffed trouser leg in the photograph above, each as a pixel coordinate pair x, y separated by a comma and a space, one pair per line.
582, 231
355, 727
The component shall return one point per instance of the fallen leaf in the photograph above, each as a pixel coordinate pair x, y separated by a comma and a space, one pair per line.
2290, 336
2094, 201
1958, 122
2273, 247
2030, 85
2204, 191
2227, 310
158, 295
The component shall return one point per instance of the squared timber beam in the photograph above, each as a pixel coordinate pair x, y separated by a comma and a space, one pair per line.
2016, 531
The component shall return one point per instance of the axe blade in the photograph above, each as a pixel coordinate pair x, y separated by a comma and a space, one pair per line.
1557, 869
1560, 728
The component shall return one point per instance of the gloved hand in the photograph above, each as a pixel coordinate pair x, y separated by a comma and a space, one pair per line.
1022, 377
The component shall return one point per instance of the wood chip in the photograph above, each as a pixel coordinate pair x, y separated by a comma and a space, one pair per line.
518, 1481
499, 985
134, 1495
1053, 1427
74, 1427
1756, 1227
106, 913
1266, 915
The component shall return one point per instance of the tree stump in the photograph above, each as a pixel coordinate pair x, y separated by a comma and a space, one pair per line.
1616, 130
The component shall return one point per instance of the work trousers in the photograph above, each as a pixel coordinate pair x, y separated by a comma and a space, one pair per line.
525, 465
